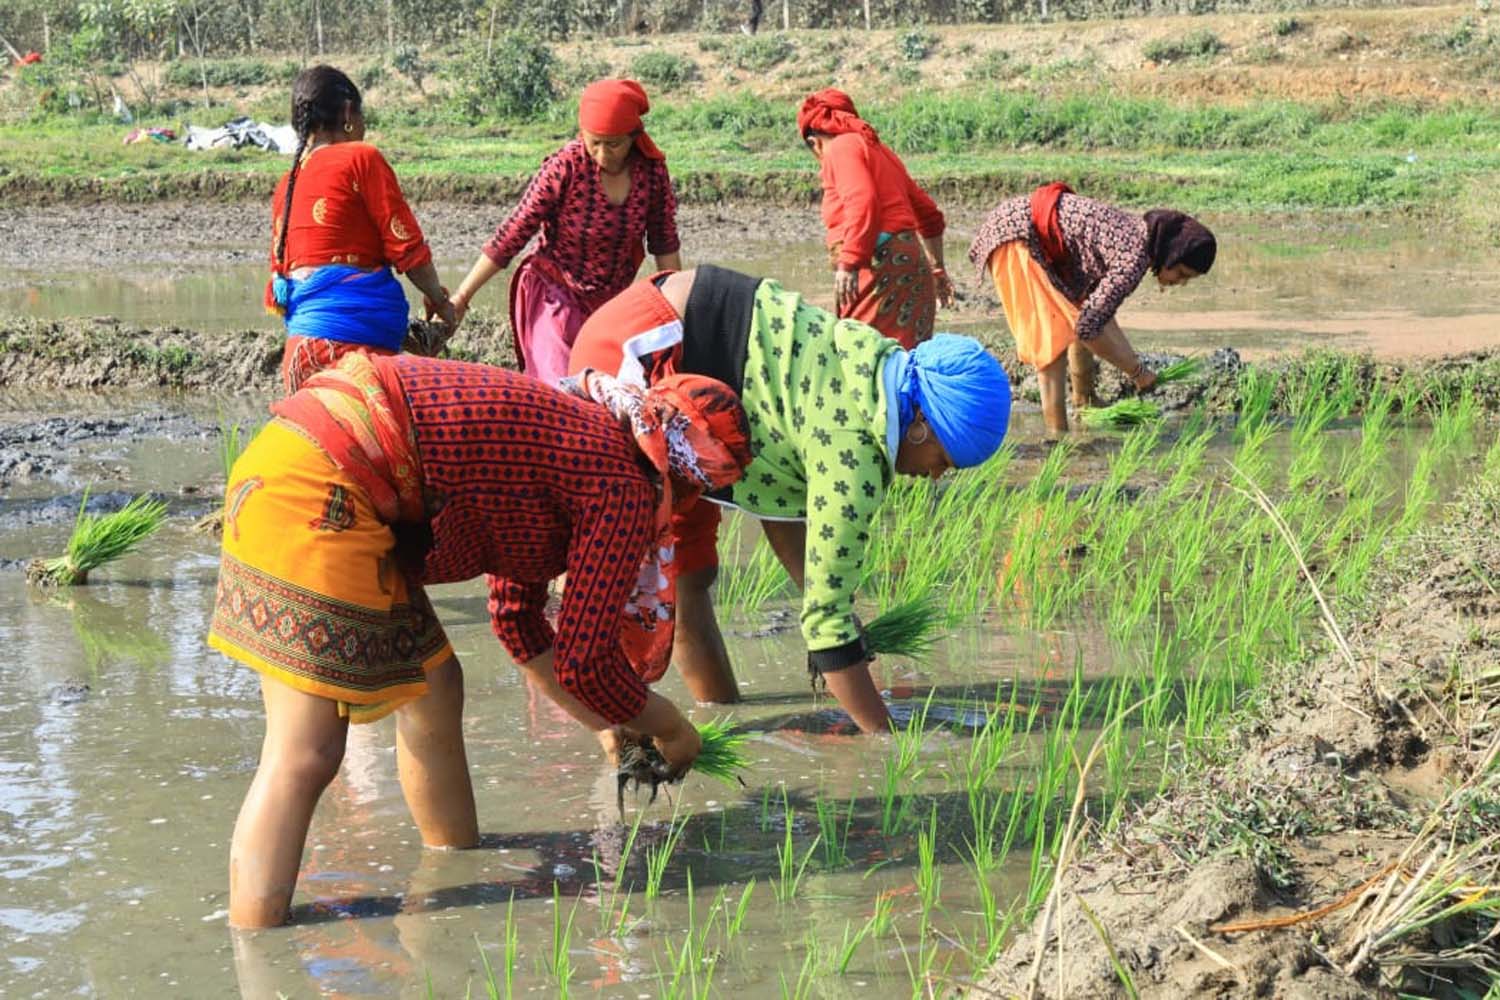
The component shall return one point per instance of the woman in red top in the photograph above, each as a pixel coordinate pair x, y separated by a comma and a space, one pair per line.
383, 473
594, 201
882, 228
338, 225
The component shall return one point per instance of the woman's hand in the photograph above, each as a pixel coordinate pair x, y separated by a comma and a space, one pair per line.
845, 288
1144, 379
944, 287
459, 303
675, 737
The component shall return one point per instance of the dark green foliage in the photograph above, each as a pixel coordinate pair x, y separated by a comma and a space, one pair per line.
916, 45
513, 81
1198, 44
663, 70
230, 72
761, 52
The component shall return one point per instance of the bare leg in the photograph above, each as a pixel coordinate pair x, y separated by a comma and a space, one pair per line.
853, 687
1112, 346
698, 646
788, 540
1052, 381
301, 753
1083, 369
856, 693
431, 762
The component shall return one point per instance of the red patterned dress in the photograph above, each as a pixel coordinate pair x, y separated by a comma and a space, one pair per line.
589, 250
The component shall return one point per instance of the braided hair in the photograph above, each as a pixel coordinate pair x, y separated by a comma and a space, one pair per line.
318, 97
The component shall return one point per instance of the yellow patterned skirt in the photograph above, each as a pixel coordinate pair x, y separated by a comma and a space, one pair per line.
309, 591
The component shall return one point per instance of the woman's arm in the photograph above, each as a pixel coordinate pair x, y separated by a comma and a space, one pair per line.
661, 222
541, 200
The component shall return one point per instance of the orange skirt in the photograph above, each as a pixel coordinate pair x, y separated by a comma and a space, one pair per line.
1041, 318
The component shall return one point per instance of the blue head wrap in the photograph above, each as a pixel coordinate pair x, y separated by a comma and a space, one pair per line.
963, 393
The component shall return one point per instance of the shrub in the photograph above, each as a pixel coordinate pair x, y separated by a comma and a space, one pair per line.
993, 65
408, 61
916, 45
666, 70
1200, 44
1283, 26
710, 44
759, 53
230, 73
514, 81
584, 70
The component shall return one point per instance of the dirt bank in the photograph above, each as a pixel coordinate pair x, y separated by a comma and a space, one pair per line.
1368, 782
176, 237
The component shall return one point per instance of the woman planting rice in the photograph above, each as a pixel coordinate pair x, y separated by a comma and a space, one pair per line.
338, 225
595, 201
1062, 265
385, 471
882, 228
834, 409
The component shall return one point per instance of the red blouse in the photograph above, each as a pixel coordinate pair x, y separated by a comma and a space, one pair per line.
866, 192
534, 483
347, 208
596, 245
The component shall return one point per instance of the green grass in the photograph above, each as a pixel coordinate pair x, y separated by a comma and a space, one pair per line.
1129, 412
1140, 151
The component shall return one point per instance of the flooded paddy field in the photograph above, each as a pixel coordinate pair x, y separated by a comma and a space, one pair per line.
1380, 284
1122, 593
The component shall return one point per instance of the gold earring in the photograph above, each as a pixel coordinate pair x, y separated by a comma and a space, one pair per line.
348, 127
913, 438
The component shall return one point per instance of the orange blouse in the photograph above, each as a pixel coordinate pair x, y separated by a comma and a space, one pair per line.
866, 192
347, 208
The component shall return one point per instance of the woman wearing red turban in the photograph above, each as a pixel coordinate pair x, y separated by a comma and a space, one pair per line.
885, 235
599, 203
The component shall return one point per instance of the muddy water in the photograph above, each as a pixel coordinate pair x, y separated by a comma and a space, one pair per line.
126, 747
1377, 286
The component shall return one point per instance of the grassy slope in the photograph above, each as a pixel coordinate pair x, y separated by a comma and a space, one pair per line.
1351, 109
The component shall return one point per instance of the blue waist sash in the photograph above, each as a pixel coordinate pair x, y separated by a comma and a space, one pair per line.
343, 303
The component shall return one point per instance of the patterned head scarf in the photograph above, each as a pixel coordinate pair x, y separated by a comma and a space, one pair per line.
1174, 238
832, 112
962, 391
693, 431
614, 107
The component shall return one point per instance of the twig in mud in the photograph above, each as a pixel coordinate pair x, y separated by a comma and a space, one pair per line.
1292, 920
1054, 898
1215, 956
1121, 973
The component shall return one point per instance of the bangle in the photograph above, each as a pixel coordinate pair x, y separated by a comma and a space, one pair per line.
939, 270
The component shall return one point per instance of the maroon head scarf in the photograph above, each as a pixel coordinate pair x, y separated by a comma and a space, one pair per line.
1174, 238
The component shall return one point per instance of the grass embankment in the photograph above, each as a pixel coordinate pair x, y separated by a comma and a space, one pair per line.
1257, 156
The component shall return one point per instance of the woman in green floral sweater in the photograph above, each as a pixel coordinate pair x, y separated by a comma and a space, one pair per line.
835, 409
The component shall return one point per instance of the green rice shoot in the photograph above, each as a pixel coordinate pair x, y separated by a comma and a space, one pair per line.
99, 539
908, 630
722, 756
1130, 412
1179, 371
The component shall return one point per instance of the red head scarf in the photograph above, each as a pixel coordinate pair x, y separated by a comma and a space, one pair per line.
692, 429
614, 107
831, 111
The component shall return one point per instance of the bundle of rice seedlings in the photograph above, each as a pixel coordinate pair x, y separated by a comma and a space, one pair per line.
1126, 413
722, 757
99, 539
1179, 371
908, 629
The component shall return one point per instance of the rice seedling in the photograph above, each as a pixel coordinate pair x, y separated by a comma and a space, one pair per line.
722, 756
834, 834
560, 962
734, 923
99, 539
1180, 371
512, 943
789, 870
1129, 412
234, 437
909, 630
659, 855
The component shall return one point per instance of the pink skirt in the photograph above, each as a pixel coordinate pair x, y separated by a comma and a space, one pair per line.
545, 317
